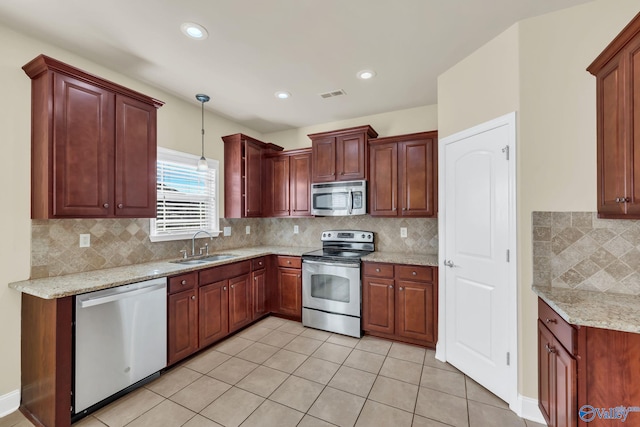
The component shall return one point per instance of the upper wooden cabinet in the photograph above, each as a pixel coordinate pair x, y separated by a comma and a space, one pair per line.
617, 71
243, 157
341, 155
404, 172
93, 145
288, 183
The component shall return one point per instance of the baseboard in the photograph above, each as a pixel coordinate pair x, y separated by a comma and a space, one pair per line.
9, 402
527, 408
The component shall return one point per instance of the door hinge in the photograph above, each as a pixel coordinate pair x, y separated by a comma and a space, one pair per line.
508, 255
505, 150
508, 359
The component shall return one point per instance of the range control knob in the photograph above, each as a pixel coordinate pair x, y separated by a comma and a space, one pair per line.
328, 234
324, 234
370, 236
363, 236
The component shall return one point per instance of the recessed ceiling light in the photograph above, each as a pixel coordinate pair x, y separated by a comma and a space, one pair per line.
366, 74
282, 94
194, 31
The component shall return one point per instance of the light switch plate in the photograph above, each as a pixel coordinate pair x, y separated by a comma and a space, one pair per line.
403, 231
248, 229
227, 231
85, 240
296, 230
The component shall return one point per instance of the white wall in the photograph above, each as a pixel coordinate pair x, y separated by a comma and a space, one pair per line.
537, 68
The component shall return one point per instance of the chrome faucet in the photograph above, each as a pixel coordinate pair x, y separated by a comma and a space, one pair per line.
193, 240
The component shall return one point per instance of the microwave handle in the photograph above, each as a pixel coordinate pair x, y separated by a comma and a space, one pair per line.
350, 201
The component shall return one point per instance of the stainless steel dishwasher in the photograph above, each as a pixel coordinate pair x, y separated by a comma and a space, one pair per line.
120, 340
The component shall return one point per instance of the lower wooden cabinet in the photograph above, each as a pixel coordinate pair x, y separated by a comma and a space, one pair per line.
288, 298
182, 322
240, 313
260, 294
206, 306
213, 307
400, 302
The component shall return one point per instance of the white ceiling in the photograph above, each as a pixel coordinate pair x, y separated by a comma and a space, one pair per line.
257, 47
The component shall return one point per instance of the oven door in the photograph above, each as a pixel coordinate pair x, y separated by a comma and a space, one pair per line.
331, 287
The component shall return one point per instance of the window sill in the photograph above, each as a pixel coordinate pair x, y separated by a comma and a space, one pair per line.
183, 236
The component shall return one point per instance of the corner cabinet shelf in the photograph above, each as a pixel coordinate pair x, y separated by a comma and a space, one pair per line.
243, 175
93, 145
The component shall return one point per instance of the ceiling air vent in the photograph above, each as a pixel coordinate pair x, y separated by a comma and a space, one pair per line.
333, 93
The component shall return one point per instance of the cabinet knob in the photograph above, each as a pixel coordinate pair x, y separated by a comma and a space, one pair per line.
288, 262
414, 273
550, 349
106, 205
404, 209
224, 288
231, 286
255, 278
401, 288
390, 286
120, 206
260, 263
184, 282
551, 321
298, 276
377, 270
193, 297
341, 173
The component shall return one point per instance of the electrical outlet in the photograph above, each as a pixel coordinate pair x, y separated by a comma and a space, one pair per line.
403, 231
227, 231
248, 229
296, 230
85, 240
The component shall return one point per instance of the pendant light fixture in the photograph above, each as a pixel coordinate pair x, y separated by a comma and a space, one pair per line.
202, 163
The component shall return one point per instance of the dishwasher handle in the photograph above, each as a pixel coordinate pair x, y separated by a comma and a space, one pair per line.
116, 296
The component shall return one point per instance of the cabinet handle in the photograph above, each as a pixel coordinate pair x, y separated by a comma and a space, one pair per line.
120, 205
549, 348
551, 321
193, 297
106, 205
184, 282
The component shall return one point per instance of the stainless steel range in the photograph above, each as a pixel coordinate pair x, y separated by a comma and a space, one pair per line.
331, 286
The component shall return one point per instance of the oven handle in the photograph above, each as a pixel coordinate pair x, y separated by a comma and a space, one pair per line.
350, 201
334, 264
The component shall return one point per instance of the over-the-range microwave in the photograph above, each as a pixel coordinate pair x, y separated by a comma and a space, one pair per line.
339, 198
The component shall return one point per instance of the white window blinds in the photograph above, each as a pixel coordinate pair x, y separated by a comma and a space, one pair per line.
187, 199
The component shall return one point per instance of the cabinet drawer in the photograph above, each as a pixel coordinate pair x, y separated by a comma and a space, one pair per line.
414, 272
183, 282
563, 331
289, 261
215, 274
258, 263
375, 269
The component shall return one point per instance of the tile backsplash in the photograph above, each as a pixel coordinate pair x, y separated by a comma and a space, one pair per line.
117, 242
580, 251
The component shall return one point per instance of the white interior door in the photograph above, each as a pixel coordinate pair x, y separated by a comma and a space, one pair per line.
479, 290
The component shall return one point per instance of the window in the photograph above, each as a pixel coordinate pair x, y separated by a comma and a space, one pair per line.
187, 198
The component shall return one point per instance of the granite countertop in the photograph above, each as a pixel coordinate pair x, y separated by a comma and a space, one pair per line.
79, 283
403, 258
617, 312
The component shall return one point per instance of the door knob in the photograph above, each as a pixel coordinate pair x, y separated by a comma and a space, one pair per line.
449, 263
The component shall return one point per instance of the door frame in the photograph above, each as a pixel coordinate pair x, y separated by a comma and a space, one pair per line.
508, 120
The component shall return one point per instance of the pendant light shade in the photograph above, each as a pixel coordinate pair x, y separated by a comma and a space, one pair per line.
202, 163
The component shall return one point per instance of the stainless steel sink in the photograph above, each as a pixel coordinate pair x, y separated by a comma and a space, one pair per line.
210, 258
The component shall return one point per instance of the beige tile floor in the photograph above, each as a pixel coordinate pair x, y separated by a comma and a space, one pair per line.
279, 373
